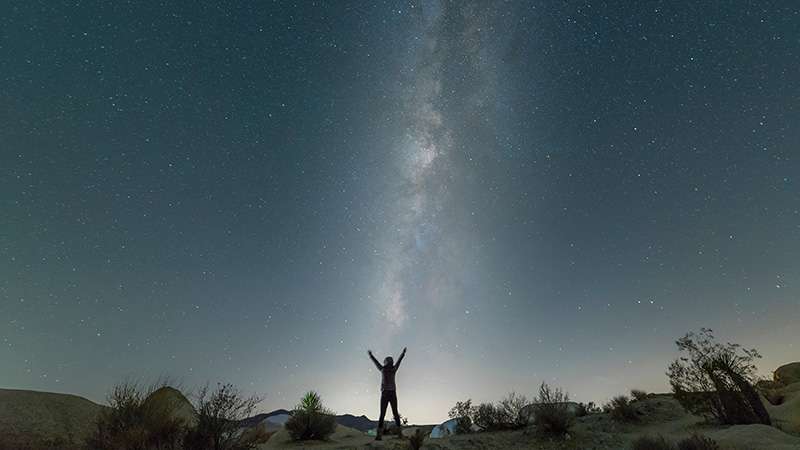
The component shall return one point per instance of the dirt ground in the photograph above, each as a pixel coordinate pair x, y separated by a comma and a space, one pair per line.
660, 415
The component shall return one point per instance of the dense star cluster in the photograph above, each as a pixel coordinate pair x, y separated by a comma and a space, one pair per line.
258, 192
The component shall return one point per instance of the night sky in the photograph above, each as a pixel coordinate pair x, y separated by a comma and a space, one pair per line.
257, 193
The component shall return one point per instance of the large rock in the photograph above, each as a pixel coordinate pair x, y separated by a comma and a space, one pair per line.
788, 374
29, 417
755, 436
170, 401
786, 414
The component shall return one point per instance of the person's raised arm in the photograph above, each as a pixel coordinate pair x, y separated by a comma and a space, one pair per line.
377, 364
400, 359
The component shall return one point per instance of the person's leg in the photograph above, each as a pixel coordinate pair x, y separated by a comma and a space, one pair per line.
384, 402
393, 401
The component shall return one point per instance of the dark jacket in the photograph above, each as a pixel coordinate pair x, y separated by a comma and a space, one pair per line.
387, 371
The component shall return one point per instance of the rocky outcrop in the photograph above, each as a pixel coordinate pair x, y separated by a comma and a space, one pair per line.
783, 397
787, 374
172, 402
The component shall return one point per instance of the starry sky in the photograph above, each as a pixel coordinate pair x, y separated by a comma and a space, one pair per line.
258, 192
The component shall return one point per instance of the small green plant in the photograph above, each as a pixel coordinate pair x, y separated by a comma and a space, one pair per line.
552, 416
638, 394
621, 410
652, 443
416, 440
697, 442
311, 419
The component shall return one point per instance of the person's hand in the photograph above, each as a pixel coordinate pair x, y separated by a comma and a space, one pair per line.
404, 349
369, 352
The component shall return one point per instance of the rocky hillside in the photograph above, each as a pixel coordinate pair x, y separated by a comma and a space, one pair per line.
30, 416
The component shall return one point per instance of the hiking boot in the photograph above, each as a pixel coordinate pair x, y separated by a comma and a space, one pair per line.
379, 434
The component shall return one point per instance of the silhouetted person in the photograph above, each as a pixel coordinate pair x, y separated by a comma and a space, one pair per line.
388, 389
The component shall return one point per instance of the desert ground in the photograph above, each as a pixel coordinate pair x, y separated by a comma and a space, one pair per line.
662, 415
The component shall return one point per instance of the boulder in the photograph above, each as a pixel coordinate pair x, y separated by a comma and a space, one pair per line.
755, 436
170, 401
785, 413
788, 374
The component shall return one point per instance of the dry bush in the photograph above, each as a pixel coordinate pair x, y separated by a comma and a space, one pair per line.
463, 412
130, 423
638, 394
697, 442
311, 420
507, 414
552, 415
486, 417
510, 411
717, 380
218, 415
652, 443
621, 410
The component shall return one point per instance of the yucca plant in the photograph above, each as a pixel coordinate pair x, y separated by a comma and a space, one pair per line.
310, 419
310, 403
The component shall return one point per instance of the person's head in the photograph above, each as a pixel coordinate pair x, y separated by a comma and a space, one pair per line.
389, 361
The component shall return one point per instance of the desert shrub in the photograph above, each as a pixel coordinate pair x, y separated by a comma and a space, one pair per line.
416, 440
256, 435
584, 409
697, 442
310, 419
652, 443
486, 417
552, 415
717, 380
638, 394
509, 411
131, 423
507, 414
621, 410
463, 413
218, 415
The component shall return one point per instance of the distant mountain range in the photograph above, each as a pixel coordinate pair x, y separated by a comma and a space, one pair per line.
361, 423
257, 419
